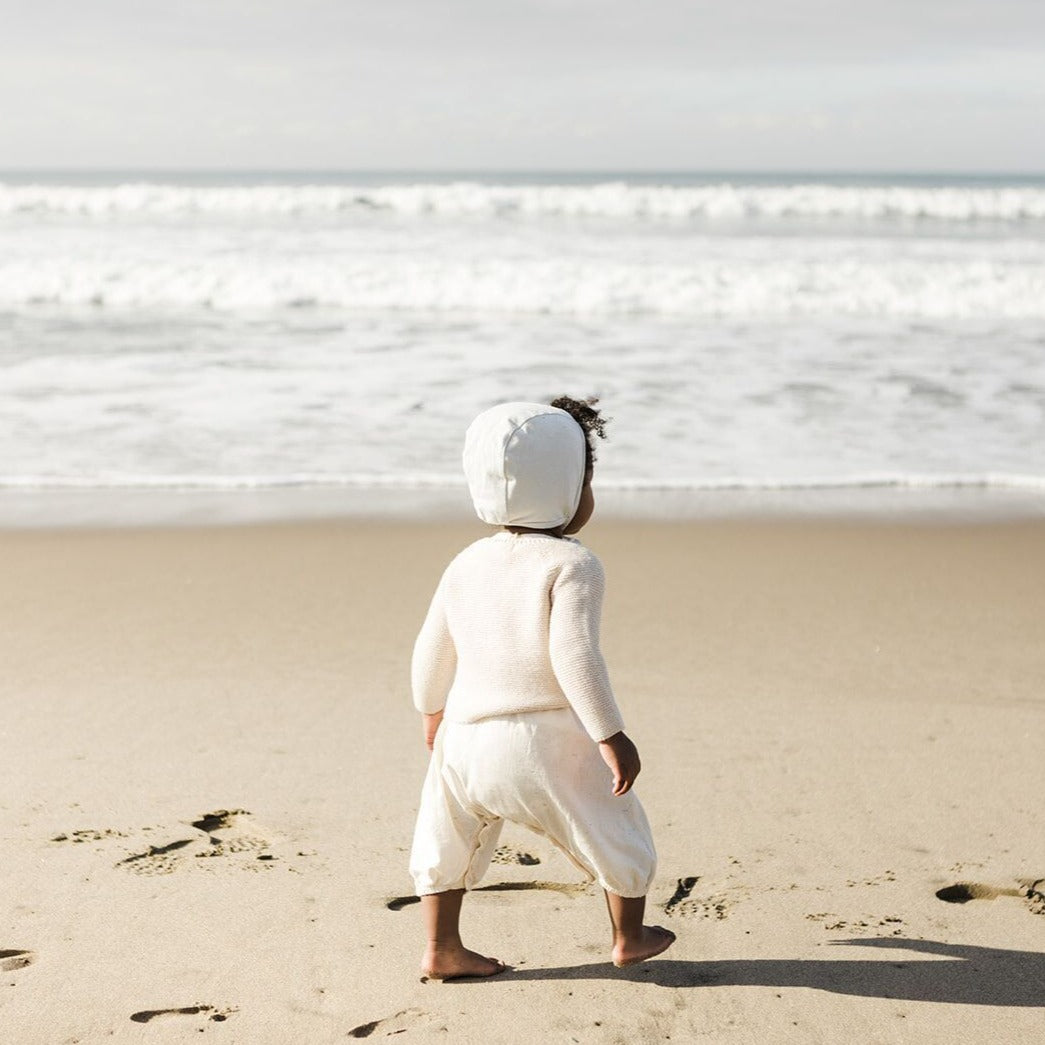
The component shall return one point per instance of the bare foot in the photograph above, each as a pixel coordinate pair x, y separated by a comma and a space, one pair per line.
451, 962
654, 940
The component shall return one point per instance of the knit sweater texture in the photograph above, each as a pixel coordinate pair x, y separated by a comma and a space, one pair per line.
514, 627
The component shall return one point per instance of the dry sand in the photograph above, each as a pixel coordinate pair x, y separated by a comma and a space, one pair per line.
837, 720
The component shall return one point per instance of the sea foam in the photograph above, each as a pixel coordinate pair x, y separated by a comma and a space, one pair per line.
775, 285
776, 339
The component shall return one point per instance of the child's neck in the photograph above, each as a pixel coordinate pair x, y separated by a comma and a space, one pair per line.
556, 532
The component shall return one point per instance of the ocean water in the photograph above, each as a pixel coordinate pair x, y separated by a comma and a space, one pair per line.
273, 332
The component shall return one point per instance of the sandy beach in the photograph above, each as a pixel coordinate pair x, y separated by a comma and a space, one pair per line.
211, 766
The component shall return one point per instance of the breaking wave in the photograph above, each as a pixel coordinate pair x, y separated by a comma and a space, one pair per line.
726, 202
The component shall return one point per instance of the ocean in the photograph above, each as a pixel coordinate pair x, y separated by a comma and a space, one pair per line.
266, 340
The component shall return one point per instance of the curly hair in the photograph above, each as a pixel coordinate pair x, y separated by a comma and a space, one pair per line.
584, 412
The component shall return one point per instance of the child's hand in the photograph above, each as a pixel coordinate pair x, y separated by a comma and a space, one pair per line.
622, 756
431, 725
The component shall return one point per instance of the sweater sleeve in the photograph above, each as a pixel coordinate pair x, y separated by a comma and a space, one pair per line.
573, 642
434, 662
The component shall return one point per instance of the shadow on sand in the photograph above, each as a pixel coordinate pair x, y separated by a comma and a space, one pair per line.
969, 976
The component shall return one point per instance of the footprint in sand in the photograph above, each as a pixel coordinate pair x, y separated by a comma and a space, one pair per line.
506, 855
13, 959
397, 903
682, 891
1030, 889
224, 833
209, 1011
397, 1024
680, 905
232, 831
717, 907
155, 859
1035, 893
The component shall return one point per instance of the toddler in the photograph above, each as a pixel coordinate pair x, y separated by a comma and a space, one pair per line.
518, 710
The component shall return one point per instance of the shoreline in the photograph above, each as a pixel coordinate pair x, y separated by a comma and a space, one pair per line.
131, 508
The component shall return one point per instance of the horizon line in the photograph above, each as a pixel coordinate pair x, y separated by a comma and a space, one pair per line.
566, 171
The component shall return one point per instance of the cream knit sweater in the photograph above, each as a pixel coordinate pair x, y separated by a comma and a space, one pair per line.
514, 627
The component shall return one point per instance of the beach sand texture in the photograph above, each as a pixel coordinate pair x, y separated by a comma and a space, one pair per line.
211, 766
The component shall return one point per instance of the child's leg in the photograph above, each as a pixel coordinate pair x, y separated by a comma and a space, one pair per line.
632, 941
446, 956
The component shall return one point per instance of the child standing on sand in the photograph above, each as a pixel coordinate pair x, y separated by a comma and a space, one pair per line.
518, 710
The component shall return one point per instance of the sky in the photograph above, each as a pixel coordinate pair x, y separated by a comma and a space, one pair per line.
832, 85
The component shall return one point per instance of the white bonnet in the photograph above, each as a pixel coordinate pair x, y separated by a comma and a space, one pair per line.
525, 465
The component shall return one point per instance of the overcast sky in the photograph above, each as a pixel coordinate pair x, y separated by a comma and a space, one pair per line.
938, 85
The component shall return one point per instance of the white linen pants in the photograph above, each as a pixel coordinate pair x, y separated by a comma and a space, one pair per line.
538, 769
